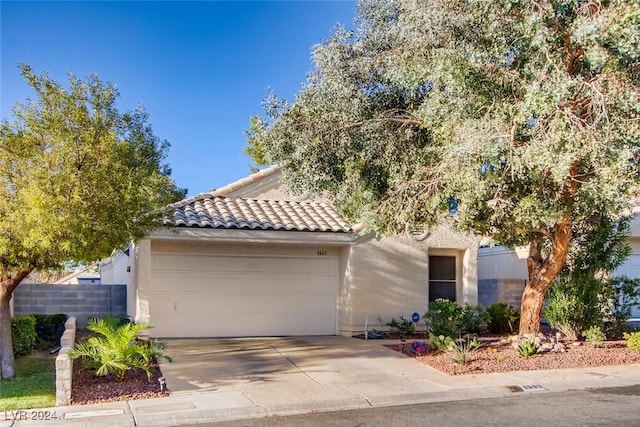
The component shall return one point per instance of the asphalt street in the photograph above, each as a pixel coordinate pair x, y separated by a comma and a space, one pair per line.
615, 406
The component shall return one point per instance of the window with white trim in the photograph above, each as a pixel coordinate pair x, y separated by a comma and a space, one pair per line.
442, 277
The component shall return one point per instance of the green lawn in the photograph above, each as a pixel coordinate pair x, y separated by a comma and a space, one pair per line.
34, 385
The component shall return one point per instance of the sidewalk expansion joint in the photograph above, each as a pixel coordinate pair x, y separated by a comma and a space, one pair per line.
357, 394
250, 399
294, 364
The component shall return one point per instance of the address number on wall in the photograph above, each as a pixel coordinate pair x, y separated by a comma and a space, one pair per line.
321, 253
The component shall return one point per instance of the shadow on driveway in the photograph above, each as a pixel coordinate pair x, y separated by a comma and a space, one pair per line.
204, 364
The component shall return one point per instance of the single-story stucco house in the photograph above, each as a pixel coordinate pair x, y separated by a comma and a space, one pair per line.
502, 272
250, 260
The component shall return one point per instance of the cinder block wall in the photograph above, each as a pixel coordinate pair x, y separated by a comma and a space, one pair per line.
79, 301
508, 291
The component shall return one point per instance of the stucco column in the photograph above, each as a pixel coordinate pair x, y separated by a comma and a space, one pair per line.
142, 280
470, 275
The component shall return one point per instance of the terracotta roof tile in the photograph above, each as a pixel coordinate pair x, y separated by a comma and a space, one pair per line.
210, 210
255, 177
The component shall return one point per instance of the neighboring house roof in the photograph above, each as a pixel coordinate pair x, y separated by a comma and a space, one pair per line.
215, 210
241, 183
90, 271
210, 211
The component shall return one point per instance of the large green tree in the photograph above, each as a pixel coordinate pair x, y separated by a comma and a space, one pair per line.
513, 119
78, 179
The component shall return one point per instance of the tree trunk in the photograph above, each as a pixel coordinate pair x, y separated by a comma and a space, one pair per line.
6, 347
7, 285
542, 273
532, 304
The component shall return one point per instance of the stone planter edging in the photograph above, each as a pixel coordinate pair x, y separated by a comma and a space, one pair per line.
64, 364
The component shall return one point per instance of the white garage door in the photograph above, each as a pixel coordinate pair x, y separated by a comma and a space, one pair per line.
230, 296
631, 268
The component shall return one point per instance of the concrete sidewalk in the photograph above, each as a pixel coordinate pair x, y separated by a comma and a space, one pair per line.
370, 375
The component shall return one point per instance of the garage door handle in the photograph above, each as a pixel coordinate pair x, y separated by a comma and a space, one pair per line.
175, 306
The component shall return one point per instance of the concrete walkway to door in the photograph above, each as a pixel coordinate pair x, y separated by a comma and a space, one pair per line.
215, 380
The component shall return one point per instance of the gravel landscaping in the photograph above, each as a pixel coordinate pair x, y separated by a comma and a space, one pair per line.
495, 356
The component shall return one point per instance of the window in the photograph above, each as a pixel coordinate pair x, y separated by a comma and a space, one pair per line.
442, 277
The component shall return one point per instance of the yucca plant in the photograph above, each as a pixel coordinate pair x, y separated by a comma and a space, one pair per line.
117, 349
460, 351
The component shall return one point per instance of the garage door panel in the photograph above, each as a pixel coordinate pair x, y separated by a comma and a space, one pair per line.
161, 263
243, 296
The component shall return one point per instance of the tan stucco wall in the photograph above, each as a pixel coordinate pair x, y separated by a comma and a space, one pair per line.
142, 275
389, 277
499, 262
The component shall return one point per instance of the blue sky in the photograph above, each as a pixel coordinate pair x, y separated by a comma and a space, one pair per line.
201, 69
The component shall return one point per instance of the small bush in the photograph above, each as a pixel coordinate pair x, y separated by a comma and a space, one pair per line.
447, 318
594, 336
111, 320
474, 319
633, 340
622, 295
440, 342
573, 307
23, 335
528, 349
49, 328
444, 318
403, 327
502, 318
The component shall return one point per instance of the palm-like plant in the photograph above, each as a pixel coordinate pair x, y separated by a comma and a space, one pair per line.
116, 349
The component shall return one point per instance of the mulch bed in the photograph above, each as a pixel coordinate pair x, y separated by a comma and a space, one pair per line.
88, 388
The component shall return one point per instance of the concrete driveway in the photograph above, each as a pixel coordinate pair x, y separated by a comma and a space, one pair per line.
339, 367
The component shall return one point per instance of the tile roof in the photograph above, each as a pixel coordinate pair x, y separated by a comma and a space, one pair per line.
210, 210
254, 177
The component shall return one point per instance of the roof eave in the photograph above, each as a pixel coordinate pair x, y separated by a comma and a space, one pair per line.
254, 236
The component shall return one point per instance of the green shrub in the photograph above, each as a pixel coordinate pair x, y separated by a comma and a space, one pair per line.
49, 328
403, 327
572, 307
447, 318
440, 342
444, 318
528, 349
111, 320
621, 296
116, 349
594, 336
474, 319
23, 335
502, 318
633, 340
